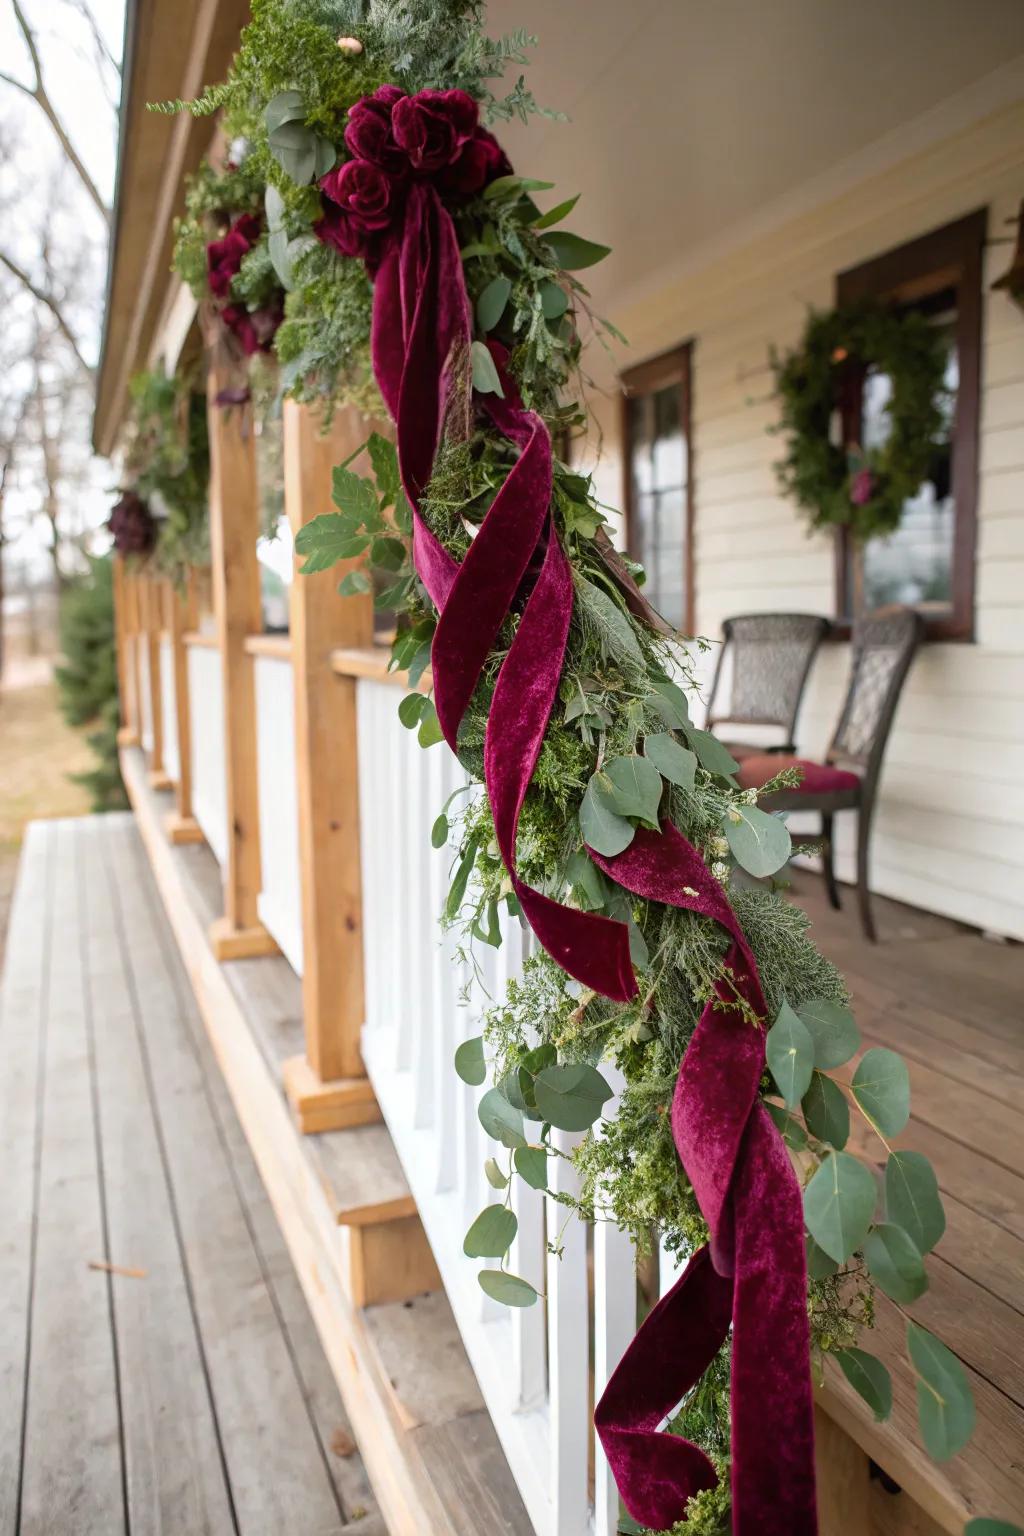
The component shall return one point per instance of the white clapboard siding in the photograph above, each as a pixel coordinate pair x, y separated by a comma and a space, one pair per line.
168, 710
955, 763
279, 903
206, 707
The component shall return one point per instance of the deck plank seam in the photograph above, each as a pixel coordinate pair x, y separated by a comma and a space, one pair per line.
172, 1198
187, 1007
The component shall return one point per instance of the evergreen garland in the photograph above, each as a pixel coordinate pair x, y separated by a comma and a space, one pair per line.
837, 485
623, 700
167, 459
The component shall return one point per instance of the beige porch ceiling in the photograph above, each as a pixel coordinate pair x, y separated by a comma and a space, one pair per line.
693, 121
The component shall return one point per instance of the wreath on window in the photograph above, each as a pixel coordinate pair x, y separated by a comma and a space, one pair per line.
839, 483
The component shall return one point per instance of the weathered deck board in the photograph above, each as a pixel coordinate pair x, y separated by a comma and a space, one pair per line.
195, 1397
72, 1464
951, 1003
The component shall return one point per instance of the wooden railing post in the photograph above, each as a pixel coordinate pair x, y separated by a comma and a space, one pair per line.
327, 1086
128, 732
181, 825
234, 530
151, 626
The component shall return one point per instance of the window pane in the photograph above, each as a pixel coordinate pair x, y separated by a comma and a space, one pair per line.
915, 564
658, 467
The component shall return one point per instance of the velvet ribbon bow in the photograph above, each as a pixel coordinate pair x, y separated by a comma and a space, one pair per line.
754, 1272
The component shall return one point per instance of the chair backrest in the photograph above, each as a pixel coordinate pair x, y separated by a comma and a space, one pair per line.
771, 660
884, 643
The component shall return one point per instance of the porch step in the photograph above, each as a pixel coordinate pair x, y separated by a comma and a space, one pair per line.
361, 1175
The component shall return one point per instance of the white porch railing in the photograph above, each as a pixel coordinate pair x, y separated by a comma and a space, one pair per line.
280, 898
168, 710
145, 696
206, 704
540, 1367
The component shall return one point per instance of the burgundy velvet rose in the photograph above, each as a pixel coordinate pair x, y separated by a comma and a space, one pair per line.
255, 330
369, 133
131, 525
862, 487
363, 191
433, 127
224, 257
482, 160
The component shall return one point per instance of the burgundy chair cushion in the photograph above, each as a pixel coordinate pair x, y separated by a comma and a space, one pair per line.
819, 778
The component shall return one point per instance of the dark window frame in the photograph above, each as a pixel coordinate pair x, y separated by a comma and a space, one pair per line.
672, 367
947, 258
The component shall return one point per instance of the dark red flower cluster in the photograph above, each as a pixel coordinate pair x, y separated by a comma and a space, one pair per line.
224, 257
393, 136
132, 525
253, 329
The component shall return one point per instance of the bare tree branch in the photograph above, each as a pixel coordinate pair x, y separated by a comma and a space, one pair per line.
42, 297
39, 95
84, 10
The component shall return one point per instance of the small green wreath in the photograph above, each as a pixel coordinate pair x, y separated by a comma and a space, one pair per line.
864, 490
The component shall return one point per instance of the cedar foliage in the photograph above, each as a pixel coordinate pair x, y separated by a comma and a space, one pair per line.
87, 680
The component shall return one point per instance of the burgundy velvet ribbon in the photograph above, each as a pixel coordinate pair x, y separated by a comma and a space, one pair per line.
754, 1271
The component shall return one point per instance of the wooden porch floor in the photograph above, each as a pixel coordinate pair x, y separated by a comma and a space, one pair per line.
952, 1003
185, 1391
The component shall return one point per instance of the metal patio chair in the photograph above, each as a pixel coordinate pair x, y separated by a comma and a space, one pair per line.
884, 643
771, 657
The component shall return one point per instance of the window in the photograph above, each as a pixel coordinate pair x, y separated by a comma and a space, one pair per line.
929, 561
659, 481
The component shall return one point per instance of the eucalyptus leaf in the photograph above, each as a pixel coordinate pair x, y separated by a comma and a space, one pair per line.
672, 761
570, 1097
501, 1120
895, 1263
485, 374
491, 1234
439, 832
490, 306
760, 843
790, 1055
839, 1203
285, 107
602, 827
508, 1289
670, 702
833, 1030
945, 1404
826, 1111
881, 1086
572, 252
554, 301
411, 709
712, 754
469, 1061
557, 214
295, 148
494, 1175
457, 890
430, 732
868, 1376
789, 1127
531, 1164
986, 1527
912, 1198
636, 788
819, 1265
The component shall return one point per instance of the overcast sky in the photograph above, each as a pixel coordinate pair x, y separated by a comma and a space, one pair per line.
84, 91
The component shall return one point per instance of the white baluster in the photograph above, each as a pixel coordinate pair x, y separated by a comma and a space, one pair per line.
568, 1365
425, 944
614, 1326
